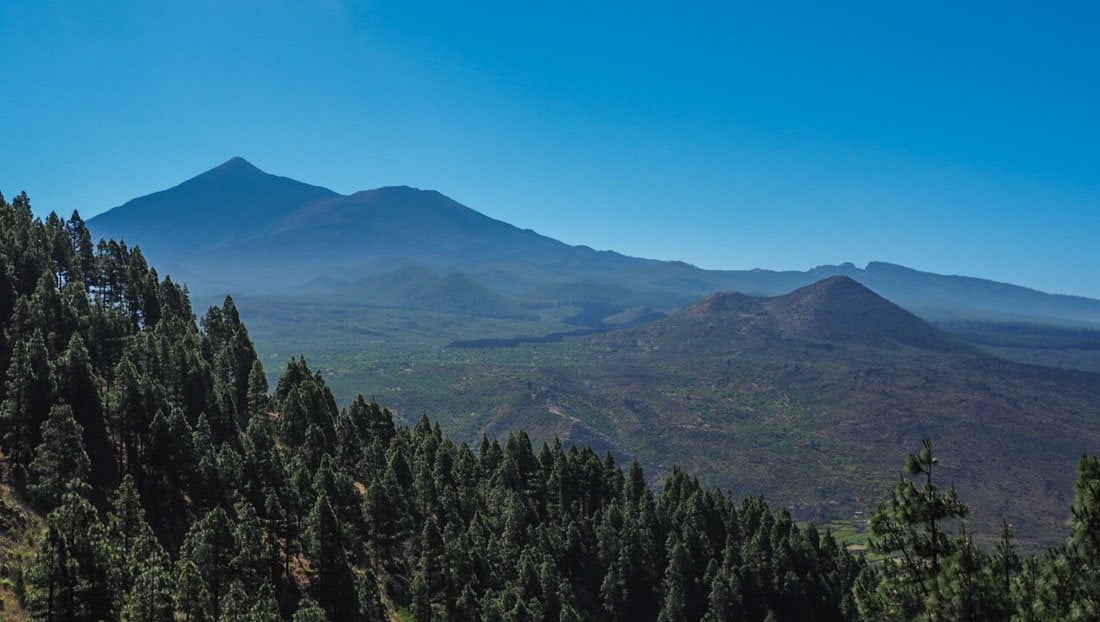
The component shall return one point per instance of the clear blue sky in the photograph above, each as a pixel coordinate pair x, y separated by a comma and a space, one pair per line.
954, 139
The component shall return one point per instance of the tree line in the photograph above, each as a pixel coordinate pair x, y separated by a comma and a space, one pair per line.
174, 484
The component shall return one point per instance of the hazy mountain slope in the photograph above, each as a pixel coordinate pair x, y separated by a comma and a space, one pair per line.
1032, 343
397, 220
240, 229
945, 296
416, 287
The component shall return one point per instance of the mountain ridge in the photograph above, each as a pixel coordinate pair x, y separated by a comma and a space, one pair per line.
279, 234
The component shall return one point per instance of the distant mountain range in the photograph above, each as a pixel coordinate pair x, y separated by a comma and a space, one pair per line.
238, 229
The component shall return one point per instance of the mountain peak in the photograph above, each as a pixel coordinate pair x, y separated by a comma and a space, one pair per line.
838, 289
839, 282
236, 163
233, 167
723, 303
840, 308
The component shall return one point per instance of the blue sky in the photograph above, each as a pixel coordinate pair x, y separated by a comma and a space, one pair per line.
954, 139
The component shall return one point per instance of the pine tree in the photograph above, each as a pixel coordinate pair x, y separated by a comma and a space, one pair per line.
7, 305
190, 595
675, 588
130, 408
70, 578
386, 508
909, 526
238, 604
293, 419
966, 589
45, 313
150, 599
331, 580
257, 390
76, 383
1005, 564
429, 582
209, 548
78, 387
251, 562
639, 571
51, 580
1029, 596
613, 595
204, 481
132, 543
264, 606
27, 398
80, 240
370, 598
724, 598
278, 533
60, 458
1068, 583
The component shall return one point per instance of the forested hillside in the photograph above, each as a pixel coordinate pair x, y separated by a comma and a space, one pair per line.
150, 474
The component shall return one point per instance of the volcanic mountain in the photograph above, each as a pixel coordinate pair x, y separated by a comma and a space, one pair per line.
837, 309
240, 229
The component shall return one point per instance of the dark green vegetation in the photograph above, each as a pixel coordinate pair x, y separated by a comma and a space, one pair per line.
149, 474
